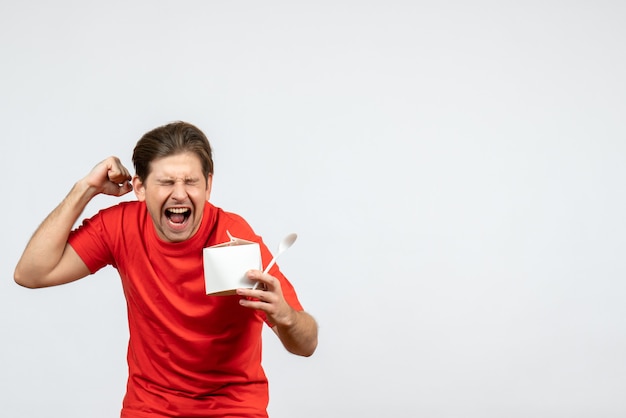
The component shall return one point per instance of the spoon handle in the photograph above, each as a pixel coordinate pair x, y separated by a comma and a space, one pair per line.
269, 266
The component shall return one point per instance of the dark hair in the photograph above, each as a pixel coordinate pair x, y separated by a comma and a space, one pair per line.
171, 139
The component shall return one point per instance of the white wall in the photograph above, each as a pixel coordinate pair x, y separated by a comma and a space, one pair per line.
455, 171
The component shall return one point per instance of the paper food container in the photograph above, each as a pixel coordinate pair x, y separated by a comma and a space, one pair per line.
225, 265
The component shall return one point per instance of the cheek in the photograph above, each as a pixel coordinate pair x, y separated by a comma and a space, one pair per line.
196, 195
154, 202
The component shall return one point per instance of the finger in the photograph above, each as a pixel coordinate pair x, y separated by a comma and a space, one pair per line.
264, 280
253, 304
116, 172
258, 299
118, 175
257, 294
263, 305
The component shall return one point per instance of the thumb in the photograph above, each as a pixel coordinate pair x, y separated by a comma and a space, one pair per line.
124, 188
114, 189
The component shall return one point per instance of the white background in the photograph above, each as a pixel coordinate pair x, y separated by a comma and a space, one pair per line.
455, 171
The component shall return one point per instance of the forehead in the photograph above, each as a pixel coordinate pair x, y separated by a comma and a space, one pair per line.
182, 165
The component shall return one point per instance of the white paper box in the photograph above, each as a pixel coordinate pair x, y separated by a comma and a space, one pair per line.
225, 266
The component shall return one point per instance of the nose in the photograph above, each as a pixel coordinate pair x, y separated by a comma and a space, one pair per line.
179, 192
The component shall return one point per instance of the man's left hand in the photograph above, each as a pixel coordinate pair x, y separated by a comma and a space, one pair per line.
268, 297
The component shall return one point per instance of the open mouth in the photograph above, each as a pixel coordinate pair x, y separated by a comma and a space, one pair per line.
178, 215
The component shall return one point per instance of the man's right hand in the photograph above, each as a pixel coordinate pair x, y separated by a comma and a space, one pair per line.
109, 177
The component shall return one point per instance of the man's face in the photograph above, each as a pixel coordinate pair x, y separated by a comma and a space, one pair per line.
175, 192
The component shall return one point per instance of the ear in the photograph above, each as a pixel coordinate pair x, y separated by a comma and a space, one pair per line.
209, 183
139, 188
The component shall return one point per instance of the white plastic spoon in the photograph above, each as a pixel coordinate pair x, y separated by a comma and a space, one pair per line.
282, 247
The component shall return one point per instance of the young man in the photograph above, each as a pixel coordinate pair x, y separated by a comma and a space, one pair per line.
189, 354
